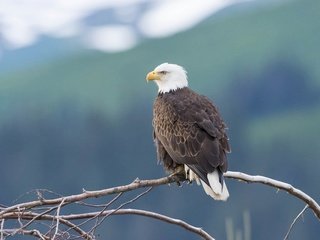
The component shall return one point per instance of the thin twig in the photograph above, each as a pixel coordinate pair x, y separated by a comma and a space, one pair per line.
154, 215
66, 219
294, 221
58, 219
1, 229
33, 232
101, 205
19, 219
104, 208
37, 216
122, 205
95, 217
76, 228
36, 232
34, 216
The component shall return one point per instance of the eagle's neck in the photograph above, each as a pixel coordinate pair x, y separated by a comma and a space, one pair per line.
171, 92
172, 82
166, 88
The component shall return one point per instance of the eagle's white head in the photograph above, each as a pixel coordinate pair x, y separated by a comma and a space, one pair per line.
168, 77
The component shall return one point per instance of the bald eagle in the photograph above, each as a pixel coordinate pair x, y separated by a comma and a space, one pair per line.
189, 134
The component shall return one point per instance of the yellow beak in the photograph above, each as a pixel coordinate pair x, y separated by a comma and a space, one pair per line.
152, 76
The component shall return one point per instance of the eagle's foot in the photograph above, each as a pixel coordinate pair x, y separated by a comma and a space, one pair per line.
189, 182
179, 175
187, 172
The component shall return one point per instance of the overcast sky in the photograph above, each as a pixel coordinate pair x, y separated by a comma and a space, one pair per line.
23, 21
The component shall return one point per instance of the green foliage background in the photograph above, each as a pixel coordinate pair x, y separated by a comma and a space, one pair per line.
84, 121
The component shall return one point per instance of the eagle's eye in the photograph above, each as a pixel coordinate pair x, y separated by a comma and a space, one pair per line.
163, 72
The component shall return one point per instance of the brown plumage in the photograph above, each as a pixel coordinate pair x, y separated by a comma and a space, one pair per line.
189, 133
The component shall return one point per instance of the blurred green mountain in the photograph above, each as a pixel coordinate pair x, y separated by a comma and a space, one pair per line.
225, 45
84, 120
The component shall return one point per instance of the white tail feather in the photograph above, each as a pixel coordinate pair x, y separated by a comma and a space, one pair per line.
214, 182
216, 190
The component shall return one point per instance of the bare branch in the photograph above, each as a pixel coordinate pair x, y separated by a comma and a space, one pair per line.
154, 215
32, 216
58, 219
294, 221
32, 210
122, 205
91, 194
101, 205
162, 181
36, 217
279, 185
66, 219
33, 232
73, 226
1, 229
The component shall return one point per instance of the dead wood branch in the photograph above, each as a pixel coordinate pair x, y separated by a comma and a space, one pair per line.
43, 209
278, 185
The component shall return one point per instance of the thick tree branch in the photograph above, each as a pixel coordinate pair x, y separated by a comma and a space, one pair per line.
91, 194
162, 181
279, 185
31, 210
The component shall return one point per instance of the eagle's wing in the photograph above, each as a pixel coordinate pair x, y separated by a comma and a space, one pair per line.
196, 137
